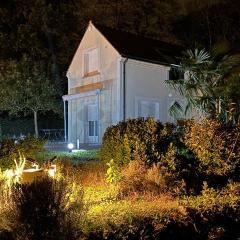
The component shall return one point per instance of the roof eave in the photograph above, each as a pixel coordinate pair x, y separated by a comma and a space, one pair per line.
146, 60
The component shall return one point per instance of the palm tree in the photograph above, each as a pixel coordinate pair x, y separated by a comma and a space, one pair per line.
211, 84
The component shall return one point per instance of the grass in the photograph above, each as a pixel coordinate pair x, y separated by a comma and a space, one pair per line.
104, 207
114, 211
74, 157
101, 198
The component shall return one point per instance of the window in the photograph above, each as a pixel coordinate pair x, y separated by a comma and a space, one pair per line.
175, 73
90, 61
147, 108
92, 119
92, 128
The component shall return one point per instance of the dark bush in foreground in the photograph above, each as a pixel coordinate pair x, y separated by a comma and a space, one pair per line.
46, 209
195, 228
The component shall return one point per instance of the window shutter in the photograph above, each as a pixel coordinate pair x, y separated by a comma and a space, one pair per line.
86, 63
93, 63
92, 113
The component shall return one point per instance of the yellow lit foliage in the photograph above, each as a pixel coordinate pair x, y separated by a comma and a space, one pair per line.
216, 147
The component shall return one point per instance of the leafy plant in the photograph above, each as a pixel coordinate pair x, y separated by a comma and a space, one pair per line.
216, 148
113, 172
211, 83
10, 149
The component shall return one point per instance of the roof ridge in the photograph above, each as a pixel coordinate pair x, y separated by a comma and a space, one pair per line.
96, 24
140, 47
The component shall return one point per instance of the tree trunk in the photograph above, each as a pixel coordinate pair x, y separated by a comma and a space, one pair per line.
35, 123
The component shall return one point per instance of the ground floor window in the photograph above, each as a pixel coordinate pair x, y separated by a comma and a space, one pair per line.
147, 107
92, 128
92, 120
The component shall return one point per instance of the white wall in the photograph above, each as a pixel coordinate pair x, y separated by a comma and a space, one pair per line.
147, 80
108, 65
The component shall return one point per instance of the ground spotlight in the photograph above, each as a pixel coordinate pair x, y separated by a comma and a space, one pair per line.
70, 147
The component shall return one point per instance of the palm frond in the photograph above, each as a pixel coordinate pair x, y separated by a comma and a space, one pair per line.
175, 109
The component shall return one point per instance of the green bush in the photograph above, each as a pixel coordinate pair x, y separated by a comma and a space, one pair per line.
136, 138
10, 149
113, 172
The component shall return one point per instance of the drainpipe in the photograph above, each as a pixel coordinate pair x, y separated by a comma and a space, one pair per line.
124, 89
99, 120
65, 119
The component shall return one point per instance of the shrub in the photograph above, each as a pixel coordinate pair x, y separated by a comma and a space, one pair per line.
10, 149
133, 179
161, 177
217, 150
136, 139
215, 213
188, 154
46, 209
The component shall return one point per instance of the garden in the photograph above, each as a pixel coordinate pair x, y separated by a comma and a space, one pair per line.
149, 180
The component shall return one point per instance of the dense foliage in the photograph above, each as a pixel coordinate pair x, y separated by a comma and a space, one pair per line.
11, 149
179, 193
211, 83
217, 149
136, 139
192, 152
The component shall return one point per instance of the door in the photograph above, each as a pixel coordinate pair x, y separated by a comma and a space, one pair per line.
92, 123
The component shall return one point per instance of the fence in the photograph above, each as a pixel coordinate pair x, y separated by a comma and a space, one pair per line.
52, 135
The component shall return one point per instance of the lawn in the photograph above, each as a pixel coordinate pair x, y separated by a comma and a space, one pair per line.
74, 157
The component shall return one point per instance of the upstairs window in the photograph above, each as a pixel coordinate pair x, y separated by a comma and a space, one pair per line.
175, 73
91, 61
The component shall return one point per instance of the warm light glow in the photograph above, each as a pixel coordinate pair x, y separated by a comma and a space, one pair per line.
52, 170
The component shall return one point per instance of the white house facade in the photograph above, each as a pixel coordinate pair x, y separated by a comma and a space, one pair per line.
115, 76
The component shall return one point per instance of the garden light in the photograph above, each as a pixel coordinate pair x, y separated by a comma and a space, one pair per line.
70, 147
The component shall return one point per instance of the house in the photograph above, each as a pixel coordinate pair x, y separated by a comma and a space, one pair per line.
115, 76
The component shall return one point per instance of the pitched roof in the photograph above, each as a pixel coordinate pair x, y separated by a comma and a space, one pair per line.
141, 48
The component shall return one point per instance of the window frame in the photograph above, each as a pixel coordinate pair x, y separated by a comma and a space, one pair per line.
148, 100
92, 71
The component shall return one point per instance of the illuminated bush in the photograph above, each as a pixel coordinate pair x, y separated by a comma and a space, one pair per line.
161, 177
136, 138
217, 150
10, 149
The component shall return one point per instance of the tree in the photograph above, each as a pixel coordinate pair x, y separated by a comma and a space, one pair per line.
207, 22
211, 84
25, 88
